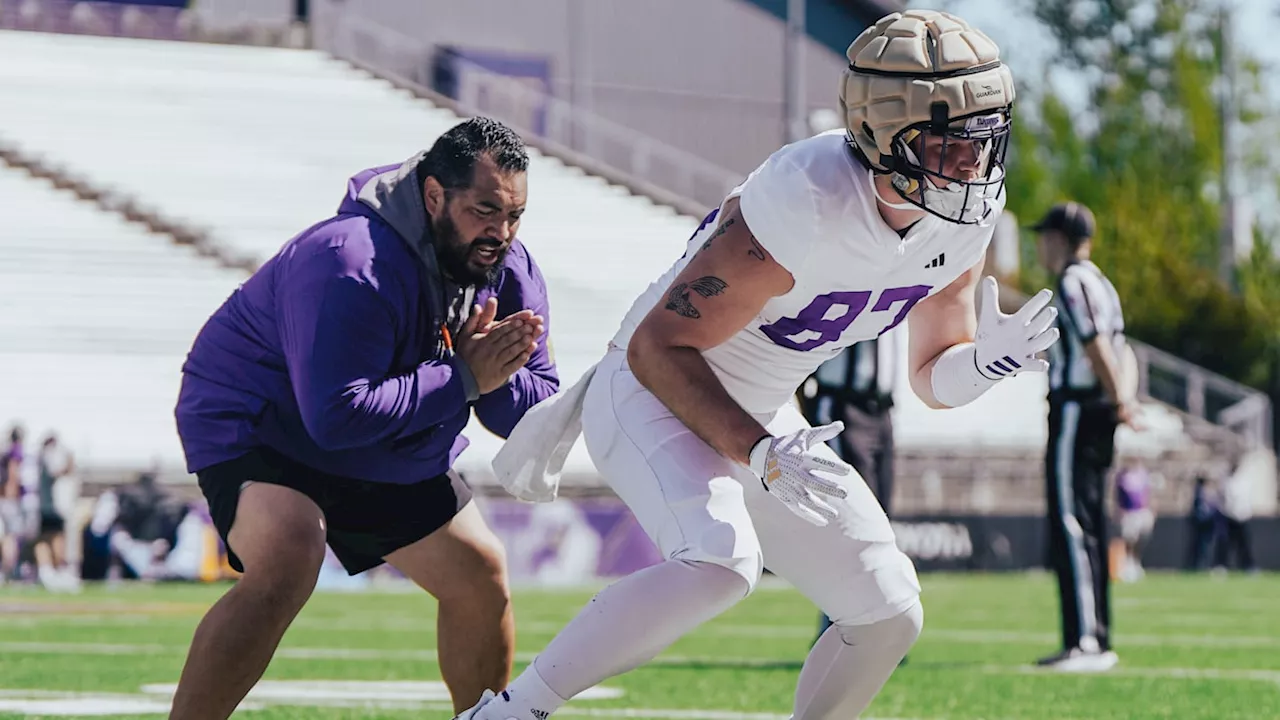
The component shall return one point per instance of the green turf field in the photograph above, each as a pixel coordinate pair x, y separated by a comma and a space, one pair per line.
1190, 647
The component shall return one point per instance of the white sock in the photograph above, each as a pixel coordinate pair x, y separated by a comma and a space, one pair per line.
624, 626
526, 698
849, 664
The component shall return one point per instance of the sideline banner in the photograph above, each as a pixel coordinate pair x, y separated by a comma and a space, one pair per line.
154, 19
581, 540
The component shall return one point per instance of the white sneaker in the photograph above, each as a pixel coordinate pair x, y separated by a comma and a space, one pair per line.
1108, 660
1080, 661
58, 581
470, 713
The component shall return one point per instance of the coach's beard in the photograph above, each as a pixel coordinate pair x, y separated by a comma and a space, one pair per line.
478, 262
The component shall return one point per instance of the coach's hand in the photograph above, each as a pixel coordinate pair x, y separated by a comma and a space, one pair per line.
1006, 345
494, 351
789, 470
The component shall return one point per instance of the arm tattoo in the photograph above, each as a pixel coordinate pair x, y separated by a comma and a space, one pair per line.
757, 250
724, 228
706, 286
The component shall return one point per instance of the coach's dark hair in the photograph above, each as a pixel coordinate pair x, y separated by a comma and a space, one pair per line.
452, 159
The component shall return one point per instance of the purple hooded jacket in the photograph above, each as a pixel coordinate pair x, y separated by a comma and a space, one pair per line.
331, 353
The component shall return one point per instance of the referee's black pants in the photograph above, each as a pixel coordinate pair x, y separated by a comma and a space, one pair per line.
867, 445
1081, 449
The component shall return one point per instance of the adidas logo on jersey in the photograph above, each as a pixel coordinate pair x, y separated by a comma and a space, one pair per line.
937, 262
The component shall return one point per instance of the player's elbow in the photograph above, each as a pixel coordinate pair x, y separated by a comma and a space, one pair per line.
645, 351
922, 385
639, 351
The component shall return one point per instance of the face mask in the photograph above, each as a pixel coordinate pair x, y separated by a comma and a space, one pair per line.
955, 202
964, 203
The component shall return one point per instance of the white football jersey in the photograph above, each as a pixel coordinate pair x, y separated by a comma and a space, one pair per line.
813, 207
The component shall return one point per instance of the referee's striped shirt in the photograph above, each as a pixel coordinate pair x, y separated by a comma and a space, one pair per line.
1088, 306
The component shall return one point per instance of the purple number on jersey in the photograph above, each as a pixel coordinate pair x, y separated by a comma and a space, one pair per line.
705, 222
908, 296
813, 318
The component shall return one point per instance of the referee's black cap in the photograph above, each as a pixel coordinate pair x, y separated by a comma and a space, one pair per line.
1069, 218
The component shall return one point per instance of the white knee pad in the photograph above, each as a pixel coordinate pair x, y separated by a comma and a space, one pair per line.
720, 586
892, 636
849, 665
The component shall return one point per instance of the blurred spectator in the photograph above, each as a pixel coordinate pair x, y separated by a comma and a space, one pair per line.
96, 558
53, 464
12, 521
1233, 527
147, 527
1137, 519
143, 532
1204, 519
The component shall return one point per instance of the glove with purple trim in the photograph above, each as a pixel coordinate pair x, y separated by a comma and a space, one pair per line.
1006, 345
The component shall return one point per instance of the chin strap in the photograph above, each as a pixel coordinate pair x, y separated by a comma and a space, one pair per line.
886, 203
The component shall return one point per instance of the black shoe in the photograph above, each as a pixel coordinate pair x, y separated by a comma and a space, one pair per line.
1058, 658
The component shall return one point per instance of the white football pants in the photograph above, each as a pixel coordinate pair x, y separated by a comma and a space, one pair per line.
697, 505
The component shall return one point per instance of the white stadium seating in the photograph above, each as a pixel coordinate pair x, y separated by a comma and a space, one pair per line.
97, 315
256, 144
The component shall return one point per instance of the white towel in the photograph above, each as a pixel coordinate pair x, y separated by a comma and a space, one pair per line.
529, 463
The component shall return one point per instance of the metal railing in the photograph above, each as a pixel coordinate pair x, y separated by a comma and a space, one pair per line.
1204, 395
647, 165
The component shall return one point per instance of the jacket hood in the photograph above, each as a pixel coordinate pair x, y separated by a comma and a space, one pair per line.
392, 194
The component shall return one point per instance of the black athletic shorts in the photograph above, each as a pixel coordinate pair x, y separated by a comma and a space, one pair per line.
365, 521
51, 524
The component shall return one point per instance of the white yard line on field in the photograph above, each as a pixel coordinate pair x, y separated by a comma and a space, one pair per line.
1267, 676
73, 704
429, 655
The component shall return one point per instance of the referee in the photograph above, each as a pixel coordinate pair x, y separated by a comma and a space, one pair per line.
1088, 399
856, 387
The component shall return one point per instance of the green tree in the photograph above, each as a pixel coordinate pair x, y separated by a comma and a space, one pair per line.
1147, 158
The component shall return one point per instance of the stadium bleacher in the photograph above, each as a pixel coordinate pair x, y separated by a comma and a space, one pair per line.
256, 144
98, 313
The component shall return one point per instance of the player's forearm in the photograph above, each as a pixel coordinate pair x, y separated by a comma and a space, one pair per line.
922, 385
951, 378
681, 378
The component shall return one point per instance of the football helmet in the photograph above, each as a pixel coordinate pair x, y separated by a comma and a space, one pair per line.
927, 100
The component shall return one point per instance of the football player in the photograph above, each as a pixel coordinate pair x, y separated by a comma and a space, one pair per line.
834, 239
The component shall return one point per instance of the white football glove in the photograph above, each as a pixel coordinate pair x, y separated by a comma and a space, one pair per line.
1006, 345
787, 469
